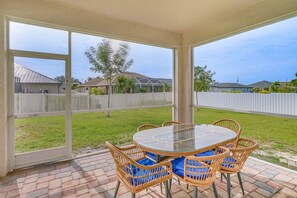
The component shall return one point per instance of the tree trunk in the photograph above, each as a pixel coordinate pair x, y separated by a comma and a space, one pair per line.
197, 100
108, 97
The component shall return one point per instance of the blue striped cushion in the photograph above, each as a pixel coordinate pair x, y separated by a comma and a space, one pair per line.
152, 155
178, 167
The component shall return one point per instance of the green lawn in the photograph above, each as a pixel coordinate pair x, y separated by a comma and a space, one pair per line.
93, 129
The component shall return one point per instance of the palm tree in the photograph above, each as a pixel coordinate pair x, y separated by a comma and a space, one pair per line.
130, 85
121, 83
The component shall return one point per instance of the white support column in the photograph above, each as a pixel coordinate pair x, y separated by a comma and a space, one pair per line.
4, 154
183, 85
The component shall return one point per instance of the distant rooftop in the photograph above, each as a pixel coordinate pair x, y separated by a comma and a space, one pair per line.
92, 82
262, 84
140, 79
25, 75
230, 85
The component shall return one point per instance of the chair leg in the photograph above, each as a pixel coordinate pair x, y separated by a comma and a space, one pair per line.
133, 195
170, 183
178, 181
228, 185
161, 187
117, 189
187, 186
226, 178
215, 190
221, 176
240, 182
167, 189
195, 192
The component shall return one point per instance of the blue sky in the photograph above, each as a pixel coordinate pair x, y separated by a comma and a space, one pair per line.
267, 53
148, 60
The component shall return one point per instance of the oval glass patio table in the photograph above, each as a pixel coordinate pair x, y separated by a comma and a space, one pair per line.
183, 139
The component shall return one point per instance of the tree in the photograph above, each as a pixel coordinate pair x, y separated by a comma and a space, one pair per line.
275, 87
61, 79
109, 63
167, 87
125, 85
96, 91
290, 87
202, 79
130, 85
75, 83
121, 83
89, 78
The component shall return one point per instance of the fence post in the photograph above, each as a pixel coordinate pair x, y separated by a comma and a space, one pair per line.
46, 103
88, 102
153, 94
17, 109
20, 103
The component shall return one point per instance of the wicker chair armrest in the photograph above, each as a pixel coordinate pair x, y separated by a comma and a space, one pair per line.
133, 146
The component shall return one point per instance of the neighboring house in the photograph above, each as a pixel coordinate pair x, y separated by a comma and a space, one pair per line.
230, 87
87, 86
29, 81
141, 81
265, 84
262, 84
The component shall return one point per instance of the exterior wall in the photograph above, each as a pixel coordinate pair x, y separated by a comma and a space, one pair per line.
36, 87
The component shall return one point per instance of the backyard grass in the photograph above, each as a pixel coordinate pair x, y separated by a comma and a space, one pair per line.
93, 129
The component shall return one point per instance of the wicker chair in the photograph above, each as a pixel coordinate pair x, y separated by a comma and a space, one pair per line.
199, 171
147, 126
137, 172
144, 127
230, 124
169, 123
236, 159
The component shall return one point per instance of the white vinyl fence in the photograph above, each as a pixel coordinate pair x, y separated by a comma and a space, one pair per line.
40, 103
275, 103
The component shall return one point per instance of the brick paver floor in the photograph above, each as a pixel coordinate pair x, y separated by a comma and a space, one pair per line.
95, 176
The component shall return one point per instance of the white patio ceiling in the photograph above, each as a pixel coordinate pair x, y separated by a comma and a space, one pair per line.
172, 15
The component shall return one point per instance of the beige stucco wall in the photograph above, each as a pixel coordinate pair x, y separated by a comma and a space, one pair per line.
35, 88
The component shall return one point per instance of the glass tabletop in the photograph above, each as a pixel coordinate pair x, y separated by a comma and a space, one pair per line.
183, 139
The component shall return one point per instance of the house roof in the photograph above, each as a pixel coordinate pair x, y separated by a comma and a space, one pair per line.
153, 81
230, 85
26, 75
140, 79
262, 84
92, 82
126, 75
